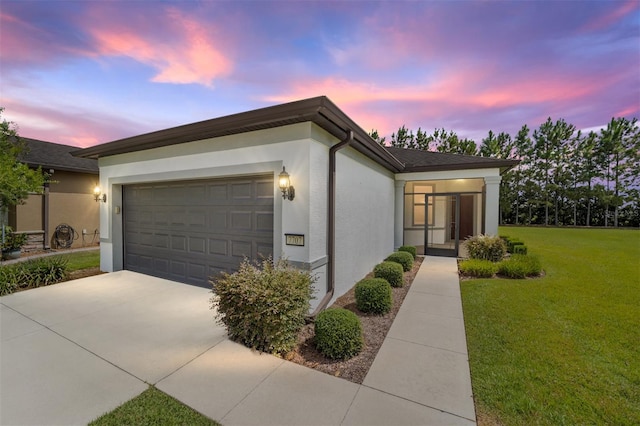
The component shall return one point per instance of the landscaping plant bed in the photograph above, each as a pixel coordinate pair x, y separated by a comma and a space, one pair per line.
374, 327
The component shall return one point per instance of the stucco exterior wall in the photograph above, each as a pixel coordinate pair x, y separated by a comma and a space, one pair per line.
80, 211
28, 216
260, 152
70, 201
364, 217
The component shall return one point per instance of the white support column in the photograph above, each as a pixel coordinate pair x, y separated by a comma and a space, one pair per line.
398, 235
492, 204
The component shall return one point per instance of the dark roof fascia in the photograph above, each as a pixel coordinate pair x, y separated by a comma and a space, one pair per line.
503, 165
417, 160
319, 110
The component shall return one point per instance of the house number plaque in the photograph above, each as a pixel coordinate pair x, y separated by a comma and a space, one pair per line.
294, 239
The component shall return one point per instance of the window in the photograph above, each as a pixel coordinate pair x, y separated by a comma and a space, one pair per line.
419, 201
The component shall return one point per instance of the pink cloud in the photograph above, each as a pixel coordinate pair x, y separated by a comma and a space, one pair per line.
22, 42
608, 19
77, 127
188, 54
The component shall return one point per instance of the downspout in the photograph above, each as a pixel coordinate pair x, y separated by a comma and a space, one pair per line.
331, 223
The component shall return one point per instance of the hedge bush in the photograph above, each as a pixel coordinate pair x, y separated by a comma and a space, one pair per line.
390, 271
486, 247
520, 249
403, 258
263, 305
409, 249
520, 266
338, 333
478, 268
512, 244
373, 295
32, 273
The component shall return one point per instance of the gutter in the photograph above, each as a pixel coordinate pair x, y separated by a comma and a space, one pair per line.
331, 223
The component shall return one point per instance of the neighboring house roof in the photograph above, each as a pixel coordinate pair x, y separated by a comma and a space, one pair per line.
319, 110
417, 160
49, 155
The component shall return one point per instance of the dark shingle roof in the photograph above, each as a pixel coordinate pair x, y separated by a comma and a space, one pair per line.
49, 155
416, 160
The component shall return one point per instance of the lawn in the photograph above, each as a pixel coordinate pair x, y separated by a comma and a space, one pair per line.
153, 407
82, 260
564, 348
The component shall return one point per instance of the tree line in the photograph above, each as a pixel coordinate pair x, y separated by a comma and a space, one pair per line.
565, 176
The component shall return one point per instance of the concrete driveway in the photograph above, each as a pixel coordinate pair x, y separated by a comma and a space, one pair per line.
76, 350
73, 351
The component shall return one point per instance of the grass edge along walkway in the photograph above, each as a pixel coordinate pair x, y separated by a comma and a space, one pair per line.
153, 407
561, 349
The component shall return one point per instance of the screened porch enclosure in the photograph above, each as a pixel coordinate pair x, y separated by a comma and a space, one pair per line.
440, 215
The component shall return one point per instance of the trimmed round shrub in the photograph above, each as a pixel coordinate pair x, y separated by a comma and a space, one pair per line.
338, 333
409, 249
390, 271
373, 295
263, 306
478, 268
486, 247
403, 258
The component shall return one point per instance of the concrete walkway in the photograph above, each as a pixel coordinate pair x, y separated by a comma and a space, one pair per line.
73, 351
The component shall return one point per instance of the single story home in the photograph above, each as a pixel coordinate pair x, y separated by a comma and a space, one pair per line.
299, 180
66, 203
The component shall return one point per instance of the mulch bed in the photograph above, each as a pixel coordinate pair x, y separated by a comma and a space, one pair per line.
375, 328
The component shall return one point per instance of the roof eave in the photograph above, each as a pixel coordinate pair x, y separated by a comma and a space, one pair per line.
503, 165
319, 110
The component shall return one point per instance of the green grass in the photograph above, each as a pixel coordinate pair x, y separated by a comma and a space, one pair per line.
82, 260
564, 348
153, 407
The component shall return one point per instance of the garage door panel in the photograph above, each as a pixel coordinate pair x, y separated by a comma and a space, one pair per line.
264, 221
188, 231
241, 220
197, 245
264, 190
197, 272
179, 243
263, 250
218, 219
218, 247
241, 249
178, 218
241, 190
161, 265
161, 241
217, 191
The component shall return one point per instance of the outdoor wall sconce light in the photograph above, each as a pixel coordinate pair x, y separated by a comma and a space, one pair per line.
288, 192
98, 195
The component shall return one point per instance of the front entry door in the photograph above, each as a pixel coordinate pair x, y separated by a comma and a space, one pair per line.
465, 222
441, 236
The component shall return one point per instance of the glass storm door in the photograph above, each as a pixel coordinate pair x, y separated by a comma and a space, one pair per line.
442, 225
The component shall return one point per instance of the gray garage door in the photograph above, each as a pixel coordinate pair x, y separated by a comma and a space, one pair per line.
188, 231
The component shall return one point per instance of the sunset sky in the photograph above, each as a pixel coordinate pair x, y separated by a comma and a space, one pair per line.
88, 72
